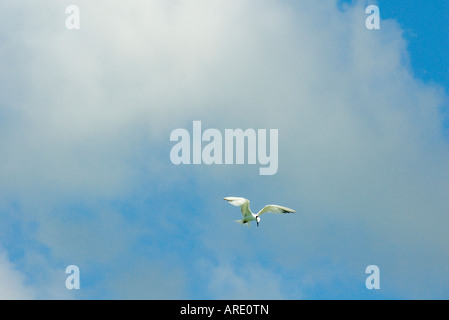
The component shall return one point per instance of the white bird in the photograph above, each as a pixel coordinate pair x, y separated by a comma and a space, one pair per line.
248, 216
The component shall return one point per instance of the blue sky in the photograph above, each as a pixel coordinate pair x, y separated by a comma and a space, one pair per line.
86, 177
425, 26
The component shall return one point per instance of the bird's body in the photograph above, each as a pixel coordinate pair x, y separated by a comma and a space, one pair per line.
249, 216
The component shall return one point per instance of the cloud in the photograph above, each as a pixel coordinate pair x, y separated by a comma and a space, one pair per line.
251, 282
86, 118
12, 282
143, 279
361, 153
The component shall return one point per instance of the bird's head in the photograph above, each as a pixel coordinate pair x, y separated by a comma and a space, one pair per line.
257, 220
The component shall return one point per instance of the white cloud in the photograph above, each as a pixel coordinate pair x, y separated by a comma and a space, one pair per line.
12, 282
147, 279
86, 116
247, 281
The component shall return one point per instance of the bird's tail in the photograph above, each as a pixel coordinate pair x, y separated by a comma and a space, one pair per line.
241, 222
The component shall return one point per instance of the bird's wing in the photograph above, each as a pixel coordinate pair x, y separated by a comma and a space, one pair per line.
275, 209
242, 203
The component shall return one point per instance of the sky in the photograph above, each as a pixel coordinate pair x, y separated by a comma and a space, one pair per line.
86, 177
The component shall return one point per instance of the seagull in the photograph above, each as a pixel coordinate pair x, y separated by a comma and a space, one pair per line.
248, 216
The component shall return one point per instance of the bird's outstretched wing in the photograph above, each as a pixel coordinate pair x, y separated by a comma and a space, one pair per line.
275, 209
242, 203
